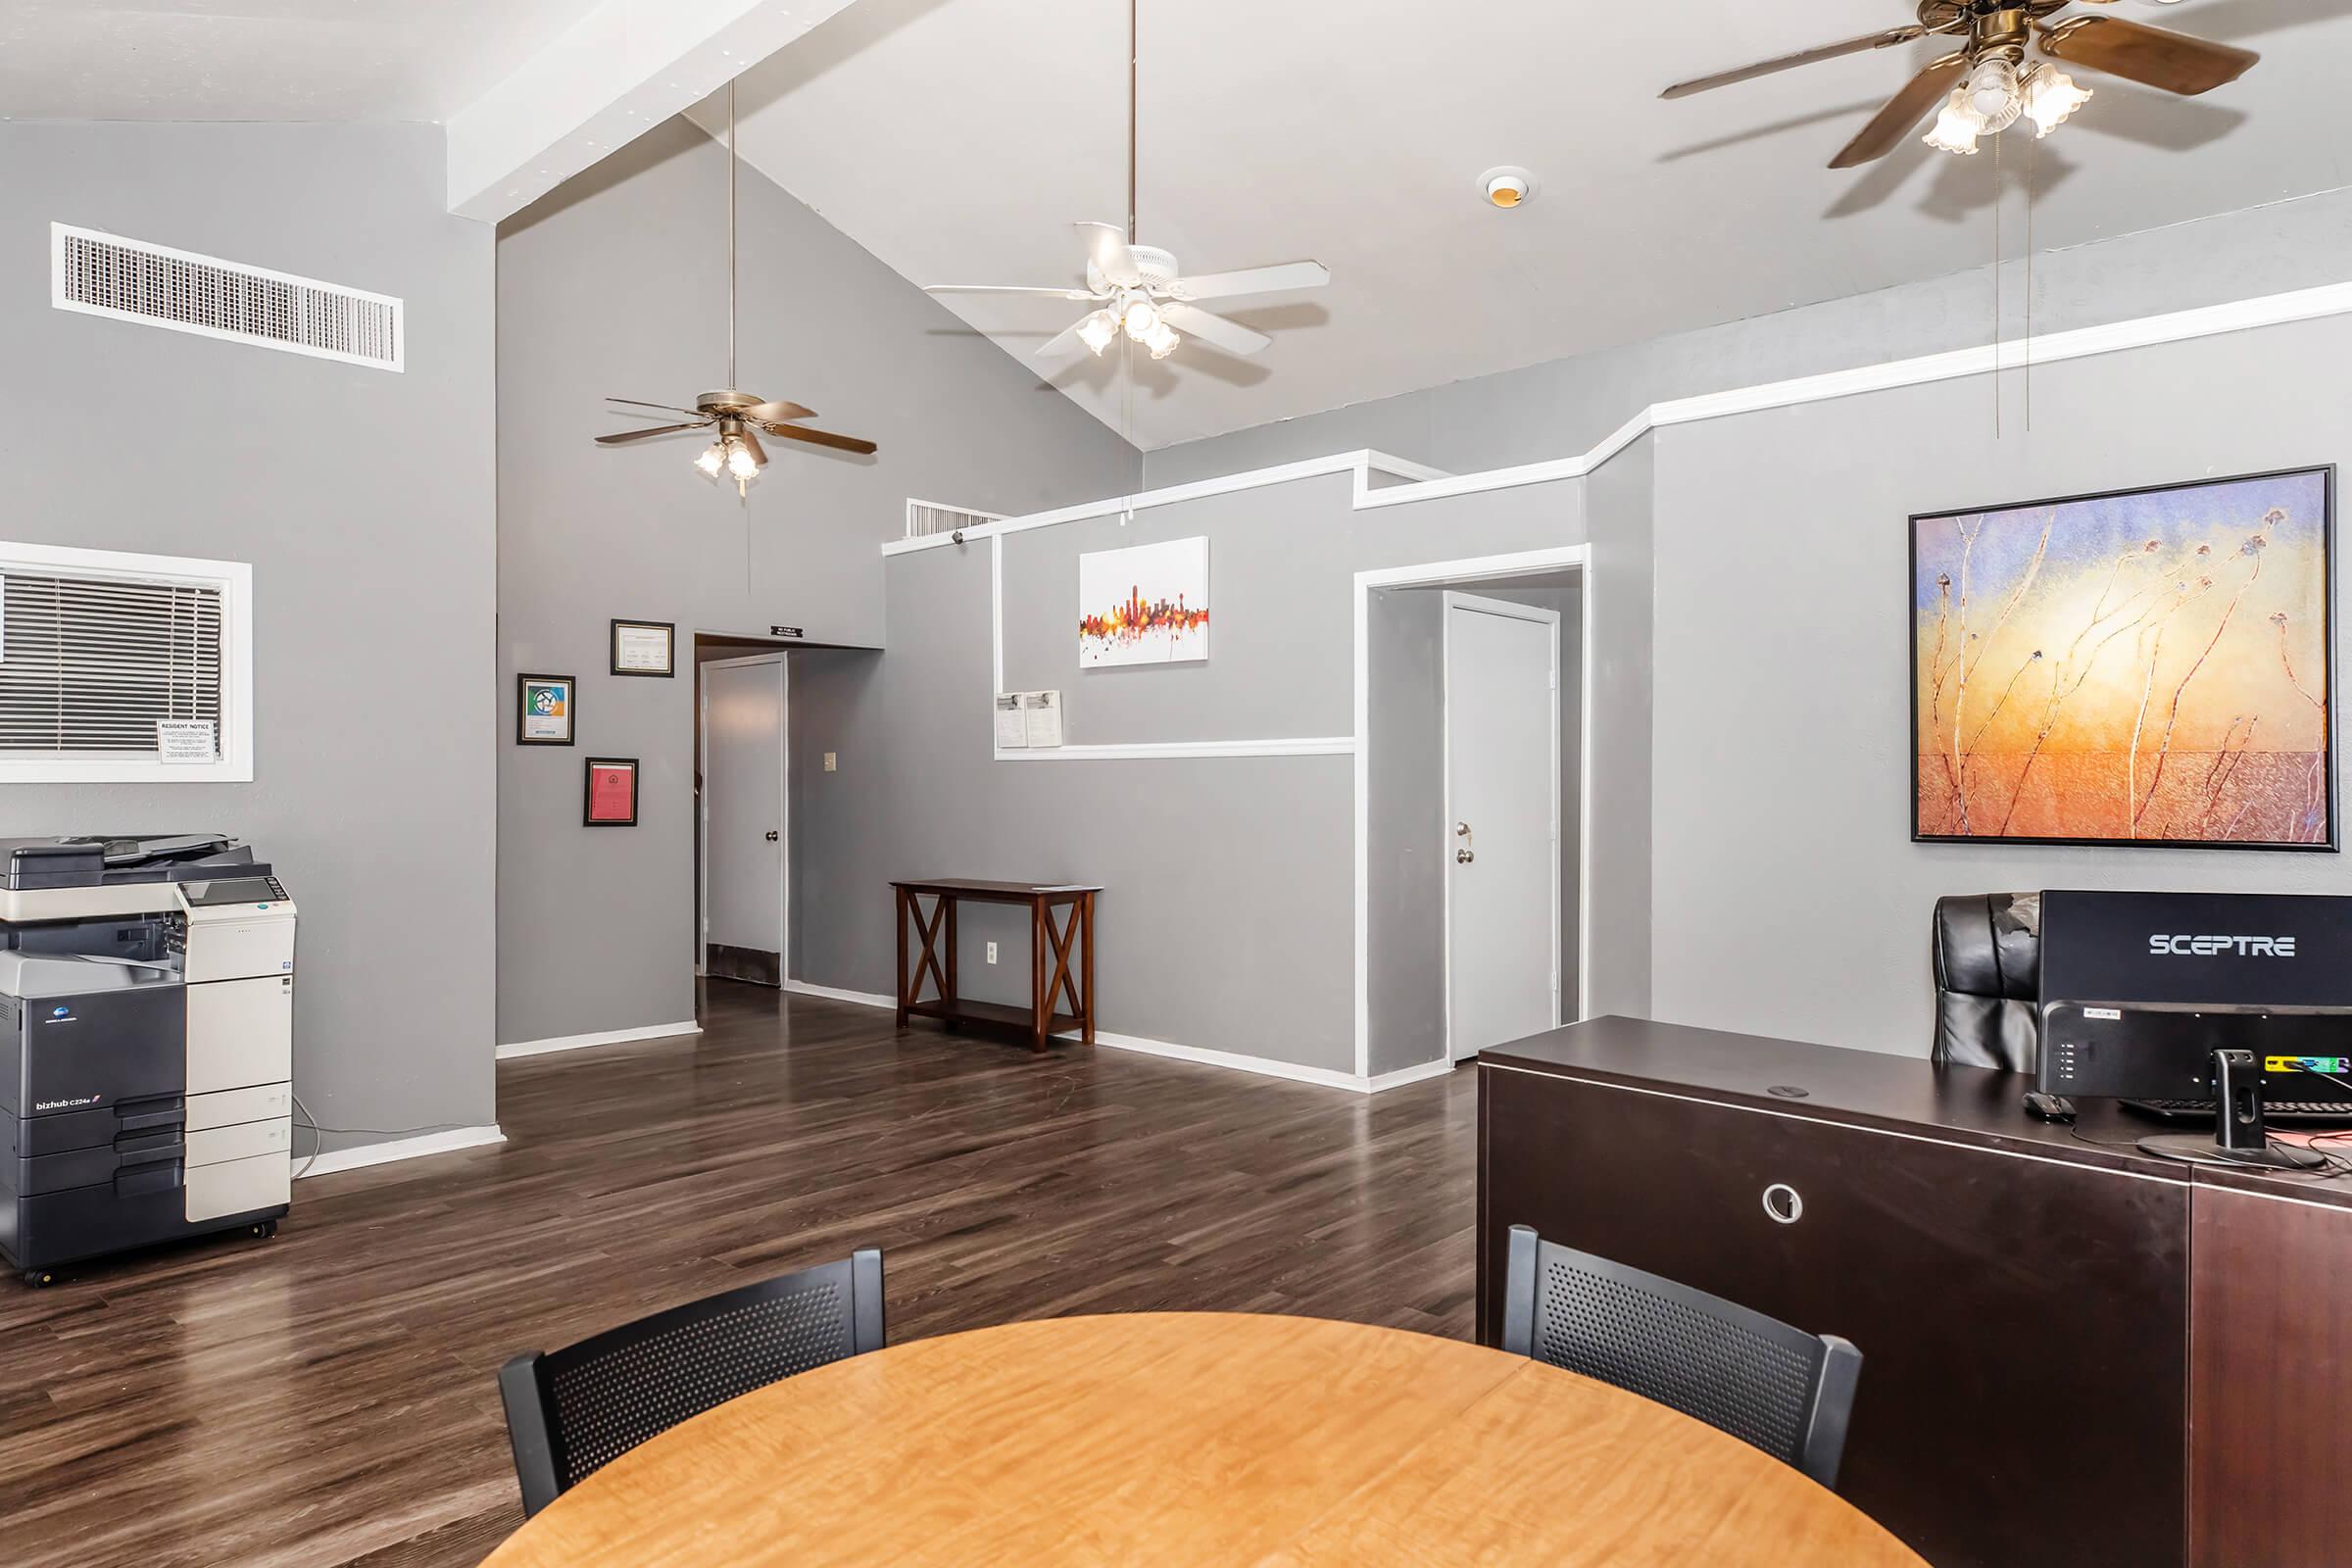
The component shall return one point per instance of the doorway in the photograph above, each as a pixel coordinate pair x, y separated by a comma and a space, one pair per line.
745, 877
1502, 812
1450, 960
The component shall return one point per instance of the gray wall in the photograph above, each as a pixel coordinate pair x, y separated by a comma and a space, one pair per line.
364, 501
1789, 900
616, 284
1566, 405
1229, 919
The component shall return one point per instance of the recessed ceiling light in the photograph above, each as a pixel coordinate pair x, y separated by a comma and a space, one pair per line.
1506, 186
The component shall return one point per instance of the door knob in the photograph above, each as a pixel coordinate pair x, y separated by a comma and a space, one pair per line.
1461, 830
1464, 856
771, 835
1468, 852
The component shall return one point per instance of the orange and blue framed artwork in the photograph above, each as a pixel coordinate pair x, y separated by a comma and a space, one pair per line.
2152, 667
1147, 605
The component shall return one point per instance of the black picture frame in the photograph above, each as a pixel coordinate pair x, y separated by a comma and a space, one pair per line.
670, 633
2333, 842
522, 709
588, 816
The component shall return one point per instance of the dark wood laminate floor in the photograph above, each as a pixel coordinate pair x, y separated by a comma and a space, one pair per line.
327, 1397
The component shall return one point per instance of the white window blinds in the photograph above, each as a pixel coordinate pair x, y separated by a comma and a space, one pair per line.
89, 665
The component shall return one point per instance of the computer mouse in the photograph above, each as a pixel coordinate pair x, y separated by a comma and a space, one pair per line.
2050, 1107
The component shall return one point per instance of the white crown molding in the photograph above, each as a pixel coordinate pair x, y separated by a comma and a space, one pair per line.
1424, 483
609, 1036
366, 1154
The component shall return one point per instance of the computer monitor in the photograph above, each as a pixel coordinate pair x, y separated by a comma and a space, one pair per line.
2139, 991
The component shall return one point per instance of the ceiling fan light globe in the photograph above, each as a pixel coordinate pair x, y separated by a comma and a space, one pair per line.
1096, 331
1162, 340
1957, 127
2051, 98
741, 465
1993, 94
713, 458
1139, 317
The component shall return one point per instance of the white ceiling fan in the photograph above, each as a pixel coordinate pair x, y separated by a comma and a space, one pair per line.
1138, 289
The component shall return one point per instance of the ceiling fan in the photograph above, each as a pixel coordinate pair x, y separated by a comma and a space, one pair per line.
1138, 289
735, 417
1989, 82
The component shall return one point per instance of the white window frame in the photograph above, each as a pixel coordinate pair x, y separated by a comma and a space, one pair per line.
233, 579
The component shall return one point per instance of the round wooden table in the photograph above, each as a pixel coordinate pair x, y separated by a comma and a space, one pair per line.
1195, 1438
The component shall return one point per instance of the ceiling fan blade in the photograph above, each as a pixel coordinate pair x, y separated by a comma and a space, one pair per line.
1828, 51
771, 413
1006, 288
1251, 280
819, 438
1106, 248
1903, 113
1061, 342
1216, 331
639, 435
666, 407
751, 445
2150, 56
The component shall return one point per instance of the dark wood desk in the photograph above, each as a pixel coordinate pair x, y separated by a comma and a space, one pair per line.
2075, 1355
1070, 946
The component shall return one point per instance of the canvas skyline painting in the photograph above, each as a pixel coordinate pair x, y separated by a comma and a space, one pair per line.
2147, 667
1147, 605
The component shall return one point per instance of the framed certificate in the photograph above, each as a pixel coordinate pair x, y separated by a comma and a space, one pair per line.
542, 710
611, 798
645, 648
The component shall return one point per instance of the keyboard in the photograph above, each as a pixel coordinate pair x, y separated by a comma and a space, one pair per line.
2278, 1112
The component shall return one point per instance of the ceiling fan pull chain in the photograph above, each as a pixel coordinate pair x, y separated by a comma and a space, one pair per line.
1996, 288
2033, 163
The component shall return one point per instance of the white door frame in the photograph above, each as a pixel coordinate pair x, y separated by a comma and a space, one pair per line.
702, 765
1451, 600
1469, 569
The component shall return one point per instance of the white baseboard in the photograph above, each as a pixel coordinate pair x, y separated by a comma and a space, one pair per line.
609, 1037
1326, 1077
335, 1159
1411, 1075
1235, 1062
863, 999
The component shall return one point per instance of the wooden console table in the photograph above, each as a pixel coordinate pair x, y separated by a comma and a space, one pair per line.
1074, 935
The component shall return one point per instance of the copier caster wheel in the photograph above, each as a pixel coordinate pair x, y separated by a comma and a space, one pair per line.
265, 1229
38, 1277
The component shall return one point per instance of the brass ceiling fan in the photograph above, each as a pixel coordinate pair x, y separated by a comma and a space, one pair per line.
735, 416
1989, 81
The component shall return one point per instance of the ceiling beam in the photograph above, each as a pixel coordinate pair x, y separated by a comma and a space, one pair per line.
621, 69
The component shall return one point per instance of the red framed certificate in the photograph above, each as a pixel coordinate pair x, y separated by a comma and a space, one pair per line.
612, 793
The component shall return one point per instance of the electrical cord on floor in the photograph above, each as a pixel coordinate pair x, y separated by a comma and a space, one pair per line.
317, 1150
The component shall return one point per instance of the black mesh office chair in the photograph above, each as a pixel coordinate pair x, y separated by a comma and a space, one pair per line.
1786, 1391
1987, 949
571, 1412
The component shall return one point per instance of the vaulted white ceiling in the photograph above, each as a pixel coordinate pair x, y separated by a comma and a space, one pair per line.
265, 59
957, 139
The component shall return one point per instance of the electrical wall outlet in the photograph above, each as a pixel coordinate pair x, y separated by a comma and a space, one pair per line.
829, 767
991, 952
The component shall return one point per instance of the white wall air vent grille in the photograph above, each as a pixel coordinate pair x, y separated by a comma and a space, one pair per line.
927, 518
131, 280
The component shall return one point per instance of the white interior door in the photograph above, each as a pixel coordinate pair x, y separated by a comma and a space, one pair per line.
1502, 852
744, 826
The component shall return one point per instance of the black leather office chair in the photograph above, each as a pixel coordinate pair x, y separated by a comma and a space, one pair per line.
1780, 1389
1988, 980
571, 1412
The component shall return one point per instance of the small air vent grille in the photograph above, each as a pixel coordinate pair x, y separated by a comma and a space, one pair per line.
131, 280
927, 518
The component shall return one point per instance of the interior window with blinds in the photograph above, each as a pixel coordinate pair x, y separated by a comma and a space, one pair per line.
97, 666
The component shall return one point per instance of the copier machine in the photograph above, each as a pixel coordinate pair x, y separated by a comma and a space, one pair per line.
146, 1045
